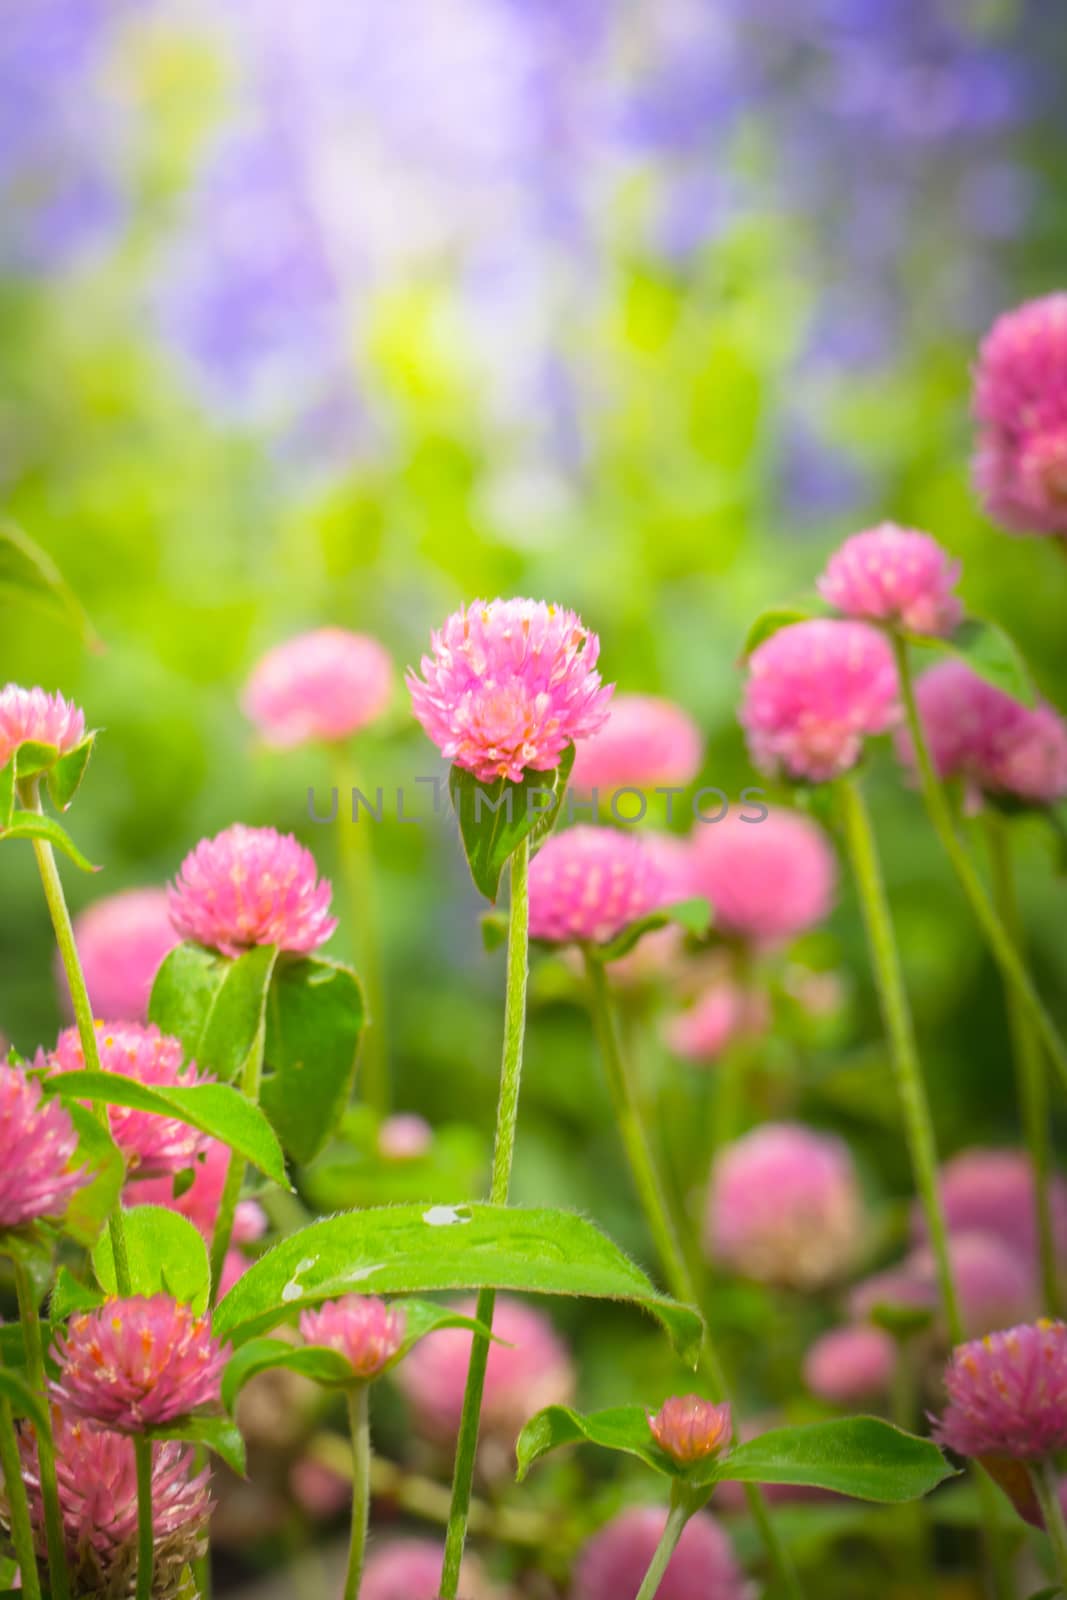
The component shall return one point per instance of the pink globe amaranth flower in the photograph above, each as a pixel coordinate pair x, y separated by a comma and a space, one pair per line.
251, 886
1007, 1394
895, 575
784, 1207
34, 716
97, 1480
508, 686
645, 742
121, 943
992, 741
615, 1560
896, 1289
848, 1366
321, 685
200, 1202
993, 1192
404, 1136
363, 1329
996, 1286
724, 1014
689, 1428
319, 1490
138, 1363
767, 881
816, 690
588, 884
37, 1146
410, 1569
1020, 403
153, 1146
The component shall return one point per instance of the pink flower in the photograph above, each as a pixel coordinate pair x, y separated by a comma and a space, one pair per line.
404, 1137
979, 733
1007, 1394
690, 1429
508, 687
200, 1202
767, 881
1020, 402
37, 1145
784, 1207
121, 942
896, 575
251, 886
410, 1569
319, 1490
815, 691
322, 685
848, 1366
32, 715
992, 1192
363, 1329
897, 1289
153, 1146
996, 1286
138, 1363
615, 1560
723, 1014
587, 884
646, 742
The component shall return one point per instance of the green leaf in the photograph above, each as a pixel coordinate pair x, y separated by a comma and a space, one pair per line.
214, 1108
32, 825
621, 1428
69, 1295
494, 818
213, 1004
23, 1400
777, 617
692, 915
166, 1254
91, 1206
314, 1020
33, 757
214, 1433
990, 652
31, 574
418, 1249
494, 930
66, 774
858, 1456
7, 794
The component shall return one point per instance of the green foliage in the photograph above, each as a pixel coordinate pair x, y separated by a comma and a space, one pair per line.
494, 818
213, 1004
32, 825
29, 575
166, 1255
314, 1020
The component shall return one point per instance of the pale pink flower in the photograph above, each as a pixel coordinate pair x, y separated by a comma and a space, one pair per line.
410, 1569
784, 1207
895, 575
322, 685
508, 686
816, 690
121, 942
849, 1366
996, 1286
1007, 1394
37, 1146
646, 743
689, 1428
405, 1136
767, 881
200, 1202
319, 1490
615, 1560
896, 1289
588, 884
138, 1363
1020, 402
362, 1328
993, 1192
251, 886
723, 1015
34, 716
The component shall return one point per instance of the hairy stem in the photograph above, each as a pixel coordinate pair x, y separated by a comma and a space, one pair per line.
146, 1543
677, 1518
359, 1425
18, 1508
46, 1453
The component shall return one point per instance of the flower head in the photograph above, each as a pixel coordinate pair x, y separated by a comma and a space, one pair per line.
589, 883
784, 1206
405, 1136
200, 1202
690, 1429
508, 686
897, 575
992, 1192
37, 1141
646, 741
1020, 402
995, 1285
250, 886
321, 685
138, 1363
767, 881
363, 1329
848, 1366
723, 1014
410, 1569
34, 716
614, 1561
815, 691
1007, 1394
121, 942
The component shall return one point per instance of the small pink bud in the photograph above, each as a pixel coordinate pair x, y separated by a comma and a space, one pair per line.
691, 1429
363, 1329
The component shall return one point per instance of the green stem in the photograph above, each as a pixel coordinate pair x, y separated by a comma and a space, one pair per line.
518, 962
679, 1514
1003, 948
146, 1544
1046, 1487
251, 1078
1029, 1065
357, 870
17, 1505
46, 1454
359, 1424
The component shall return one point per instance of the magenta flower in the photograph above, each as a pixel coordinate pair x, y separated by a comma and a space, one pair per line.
405, 1136
587, 884
410, 1569
251, 886
322, 685
646, 742
138, 1363
1020, 402
121, 942
815, 691
508, 686
895, 575
37, 1145
767, 881
849, 1366
992, 1192
689, 1428
200, 1202
363, 1329
1007, 1394
784, 1207
722, 1015
615, 1560
153, 1146
34, 716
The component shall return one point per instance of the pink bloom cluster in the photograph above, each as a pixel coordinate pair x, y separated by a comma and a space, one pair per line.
767, 881
32, 715
251, 886
722, 1015
1020, 402
689, 1428
851, 1365
121, 942
645, 742
322, 685
993, 1192
363, 1329
615, 1560
816, 690
587, 884
1007, 1394
38, 1142
410, 1569
508, 686
895, 575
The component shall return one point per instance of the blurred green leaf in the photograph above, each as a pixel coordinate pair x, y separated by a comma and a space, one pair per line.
166, 1254
29, 573
23, 1401
314, 1020
494, 818
775, 618
991, 652
32, 825
693, 915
